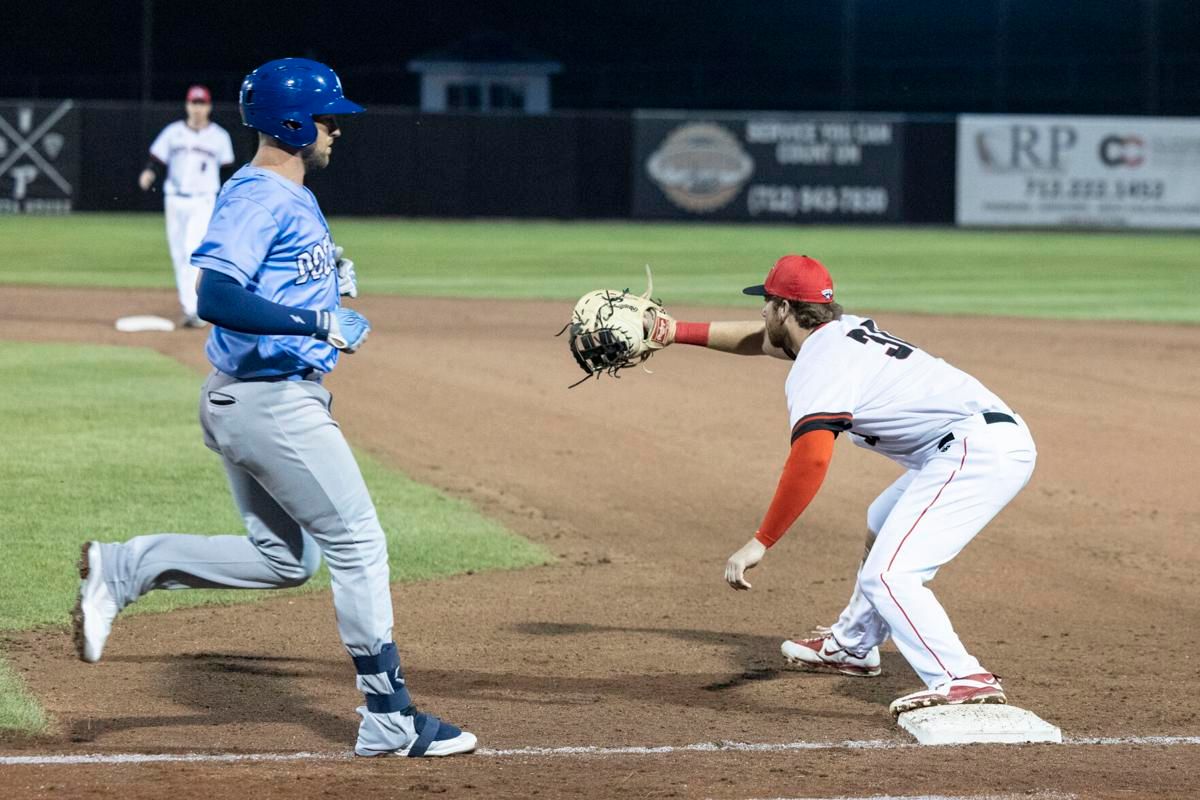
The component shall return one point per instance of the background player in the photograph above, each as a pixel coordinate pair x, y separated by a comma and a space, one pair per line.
966, 454
270, 285
193, 151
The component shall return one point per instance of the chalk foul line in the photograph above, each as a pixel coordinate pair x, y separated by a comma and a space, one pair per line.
550, 752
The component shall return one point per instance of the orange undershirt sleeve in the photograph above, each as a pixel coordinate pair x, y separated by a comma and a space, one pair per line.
802, 476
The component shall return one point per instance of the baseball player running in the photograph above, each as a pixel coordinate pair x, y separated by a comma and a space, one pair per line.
270, 284
966, 453
193, 151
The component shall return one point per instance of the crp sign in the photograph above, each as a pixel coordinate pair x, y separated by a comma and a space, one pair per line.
1094, 172
1026, 147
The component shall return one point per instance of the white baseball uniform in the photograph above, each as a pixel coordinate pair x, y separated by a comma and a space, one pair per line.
967, 456
193, 159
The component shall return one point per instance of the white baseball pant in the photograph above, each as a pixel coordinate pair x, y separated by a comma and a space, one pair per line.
921, 522
187, 221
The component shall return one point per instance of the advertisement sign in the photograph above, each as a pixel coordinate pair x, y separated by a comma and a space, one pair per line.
39, 157
1078, 171
793, 167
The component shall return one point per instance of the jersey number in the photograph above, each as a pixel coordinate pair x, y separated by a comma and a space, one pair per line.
868, 332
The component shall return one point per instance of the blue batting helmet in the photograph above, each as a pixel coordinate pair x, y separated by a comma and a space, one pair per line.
281, 97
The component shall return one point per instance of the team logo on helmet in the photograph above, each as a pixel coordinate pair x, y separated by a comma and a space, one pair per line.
827, 294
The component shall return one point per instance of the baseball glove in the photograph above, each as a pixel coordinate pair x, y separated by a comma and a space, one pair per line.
612, 330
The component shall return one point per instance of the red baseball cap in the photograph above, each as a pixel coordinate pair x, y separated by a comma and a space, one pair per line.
199, 94
796, 278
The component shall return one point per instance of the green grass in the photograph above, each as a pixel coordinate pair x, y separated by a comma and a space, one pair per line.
1065, 275
19, 711
103, 442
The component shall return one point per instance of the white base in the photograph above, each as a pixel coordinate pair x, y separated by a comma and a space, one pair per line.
977, 724
144, 322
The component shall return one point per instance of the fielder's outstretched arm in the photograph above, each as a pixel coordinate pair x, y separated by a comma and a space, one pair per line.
743, 338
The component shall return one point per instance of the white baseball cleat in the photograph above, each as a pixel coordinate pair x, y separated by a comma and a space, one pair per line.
971, 690
95, 609
409, 733
825, 654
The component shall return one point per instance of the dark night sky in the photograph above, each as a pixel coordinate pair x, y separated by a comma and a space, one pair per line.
909, 55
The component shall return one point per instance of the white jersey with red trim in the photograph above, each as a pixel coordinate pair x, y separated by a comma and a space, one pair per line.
193, 158
890, 395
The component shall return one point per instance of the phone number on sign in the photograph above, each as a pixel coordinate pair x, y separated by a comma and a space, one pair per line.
795, 200
1093, 189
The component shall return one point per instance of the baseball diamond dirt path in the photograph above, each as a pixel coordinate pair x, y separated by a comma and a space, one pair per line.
1082, 594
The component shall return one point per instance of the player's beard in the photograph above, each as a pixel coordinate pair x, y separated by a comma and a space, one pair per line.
776, 332
777, 336
313, 158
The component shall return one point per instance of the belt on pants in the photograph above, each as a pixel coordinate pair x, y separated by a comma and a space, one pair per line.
990, 417
305, 375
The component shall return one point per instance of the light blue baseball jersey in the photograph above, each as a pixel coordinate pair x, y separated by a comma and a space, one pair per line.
269, 235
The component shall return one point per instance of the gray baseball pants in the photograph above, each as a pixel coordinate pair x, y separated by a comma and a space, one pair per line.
301, 496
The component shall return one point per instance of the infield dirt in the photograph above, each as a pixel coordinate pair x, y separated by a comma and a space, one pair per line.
1082, 594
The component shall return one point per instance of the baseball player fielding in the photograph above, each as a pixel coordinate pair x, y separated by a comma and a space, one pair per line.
192, 151
965, 451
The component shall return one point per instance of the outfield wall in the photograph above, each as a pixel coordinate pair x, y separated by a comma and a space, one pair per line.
399, 161
57, 156
793, 167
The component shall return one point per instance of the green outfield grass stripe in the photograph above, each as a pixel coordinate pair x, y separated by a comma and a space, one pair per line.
1074, 275
19, 711
104, 443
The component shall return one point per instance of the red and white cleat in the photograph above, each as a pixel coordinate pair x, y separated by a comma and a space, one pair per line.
971, 690
826, 655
